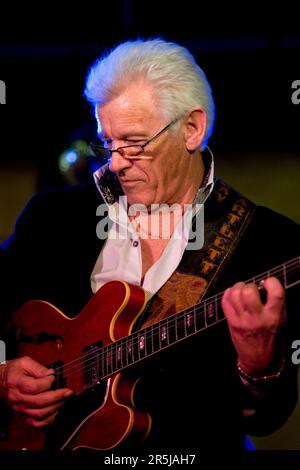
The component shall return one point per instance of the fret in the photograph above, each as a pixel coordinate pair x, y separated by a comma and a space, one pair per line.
168, 331
172, 329
200, 321
292, 274
111, 358
148, 340
163, 335
275, 273
99, 355
195, 316
176, 328
152, 340
211, 313
219, 311
135, 347
138, 345
280, 275
141, 345
112, 355
129, 350
156, 337
104, 373
181, 327
205, 314
114, 363
119, 356
108, 360
123, 359
189, 323
159, 337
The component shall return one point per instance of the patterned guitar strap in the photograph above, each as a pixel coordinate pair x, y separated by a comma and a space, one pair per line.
227, 215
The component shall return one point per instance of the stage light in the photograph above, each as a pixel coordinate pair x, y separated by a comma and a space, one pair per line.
77, 162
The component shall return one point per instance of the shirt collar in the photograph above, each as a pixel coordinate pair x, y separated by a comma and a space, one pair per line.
110, 189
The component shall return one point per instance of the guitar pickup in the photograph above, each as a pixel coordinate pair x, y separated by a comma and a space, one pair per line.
91, 364
60, 380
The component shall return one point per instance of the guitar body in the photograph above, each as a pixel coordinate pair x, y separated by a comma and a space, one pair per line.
90, 353
101, 414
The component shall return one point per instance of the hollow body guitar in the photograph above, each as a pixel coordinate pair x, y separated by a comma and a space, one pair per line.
93, 355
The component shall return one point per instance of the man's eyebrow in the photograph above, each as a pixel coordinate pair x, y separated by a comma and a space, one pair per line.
125, 136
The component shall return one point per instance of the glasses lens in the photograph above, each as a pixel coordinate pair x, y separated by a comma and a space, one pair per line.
130, 151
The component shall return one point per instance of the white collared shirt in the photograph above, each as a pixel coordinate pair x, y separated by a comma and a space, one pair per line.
121, 256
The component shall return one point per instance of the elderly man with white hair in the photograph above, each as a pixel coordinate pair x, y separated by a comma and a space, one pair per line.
209, 353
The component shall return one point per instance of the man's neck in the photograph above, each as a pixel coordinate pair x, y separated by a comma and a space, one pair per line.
193, 180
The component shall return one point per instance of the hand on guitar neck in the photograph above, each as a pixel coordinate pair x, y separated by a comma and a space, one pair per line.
26, 386
255, 326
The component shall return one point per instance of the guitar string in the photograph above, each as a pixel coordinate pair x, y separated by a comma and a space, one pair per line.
200, 308
111, 366
114, 348
104, 350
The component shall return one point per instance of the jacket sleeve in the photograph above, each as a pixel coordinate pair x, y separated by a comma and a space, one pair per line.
15, 255
268, 405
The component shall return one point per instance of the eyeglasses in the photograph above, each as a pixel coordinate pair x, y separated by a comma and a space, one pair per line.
128, 151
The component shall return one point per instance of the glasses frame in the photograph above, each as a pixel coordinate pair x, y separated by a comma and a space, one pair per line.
96, 148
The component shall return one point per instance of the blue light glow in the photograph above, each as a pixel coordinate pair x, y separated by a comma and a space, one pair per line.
71, 156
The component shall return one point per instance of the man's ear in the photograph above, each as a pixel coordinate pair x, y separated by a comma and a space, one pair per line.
195, 129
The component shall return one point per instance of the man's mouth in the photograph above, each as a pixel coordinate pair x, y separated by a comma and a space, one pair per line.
128, 181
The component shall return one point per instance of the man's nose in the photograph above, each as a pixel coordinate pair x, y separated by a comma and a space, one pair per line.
118, 163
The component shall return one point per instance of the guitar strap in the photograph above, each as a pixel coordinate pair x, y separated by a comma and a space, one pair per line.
227, 214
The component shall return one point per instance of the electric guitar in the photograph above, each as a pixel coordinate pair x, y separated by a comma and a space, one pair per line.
93, 355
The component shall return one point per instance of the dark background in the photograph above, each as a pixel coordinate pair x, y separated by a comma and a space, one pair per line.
250, 57
249, 52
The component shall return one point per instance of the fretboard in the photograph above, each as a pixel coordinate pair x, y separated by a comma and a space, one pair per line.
178, 327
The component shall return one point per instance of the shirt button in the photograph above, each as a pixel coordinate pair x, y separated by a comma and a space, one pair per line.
135, 243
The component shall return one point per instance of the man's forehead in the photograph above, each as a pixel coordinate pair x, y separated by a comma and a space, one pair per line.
126, 120
122, 125
139, 97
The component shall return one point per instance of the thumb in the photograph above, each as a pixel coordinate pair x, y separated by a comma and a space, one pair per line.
275, 292
35, 369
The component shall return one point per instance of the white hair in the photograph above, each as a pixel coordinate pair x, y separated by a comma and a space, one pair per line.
179, 83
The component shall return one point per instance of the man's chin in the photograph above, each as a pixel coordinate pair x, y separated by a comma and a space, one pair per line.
135, 198
138, 194
140, 203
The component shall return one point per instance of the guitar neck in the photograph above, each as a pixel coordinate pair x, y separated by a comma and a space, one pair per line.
141, 344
